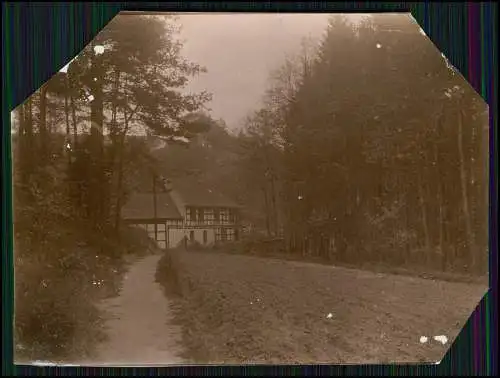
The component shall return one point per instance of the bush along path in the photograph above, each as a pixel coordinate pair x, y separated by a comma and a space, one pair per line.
57, 289
136, 322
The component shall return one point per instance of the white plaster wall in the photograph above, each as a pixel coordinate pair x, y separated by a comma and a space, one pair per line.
175, 236
198, 236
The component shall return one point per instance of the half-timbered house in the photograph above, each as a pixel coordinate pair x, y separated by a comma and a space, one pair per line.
188, 212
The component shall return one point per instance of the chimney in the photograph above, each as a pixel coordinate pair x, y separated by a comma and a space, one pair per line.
166, 184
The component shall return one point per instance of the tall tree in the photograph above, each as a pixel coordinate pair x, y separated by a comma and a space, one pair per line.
133, 69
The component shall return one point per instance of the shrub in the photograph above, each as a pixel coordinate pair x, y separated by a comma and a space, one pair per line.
56, 287
136, 241
53, 308
195, 246
167, 274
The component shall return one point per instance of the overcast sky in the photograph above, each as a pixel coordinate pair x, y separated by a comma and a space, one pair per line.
239, 52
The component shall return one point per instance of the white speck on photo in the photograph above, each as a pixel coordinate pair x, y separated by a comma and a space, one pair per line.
98, 49
43, 363
441, 338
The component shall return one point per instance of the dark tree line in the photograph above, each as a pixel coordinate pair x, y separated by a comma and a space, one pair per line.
371, 148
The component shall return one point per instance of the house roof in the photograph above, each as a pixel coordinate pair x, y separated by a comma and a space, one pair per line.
195, 193
141, 206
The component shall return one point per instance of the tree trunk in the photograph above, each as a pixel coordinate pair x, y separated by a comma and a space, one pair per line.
423, 210
155, 208
116, 150
75, 125
465, 200
44, 148
66, 113
24, 147
119, 189
113, 128
273, 192
121, 153
98, 184
266, 202
274, 207
26, 141
440, 211
75, 186
119, 194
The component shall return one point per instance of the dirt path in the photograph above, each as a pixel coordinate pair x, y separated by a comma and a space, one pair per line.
137, 321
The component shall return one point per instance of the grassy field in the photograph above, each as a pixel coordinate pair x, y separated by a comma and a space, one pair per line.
245, 309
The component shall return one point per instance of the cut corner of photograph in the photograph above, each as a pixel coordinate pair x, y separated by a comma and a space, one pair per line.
305, 188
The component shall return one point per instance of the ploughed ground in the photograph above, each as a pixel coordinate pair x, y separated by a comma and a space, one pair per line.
245, 309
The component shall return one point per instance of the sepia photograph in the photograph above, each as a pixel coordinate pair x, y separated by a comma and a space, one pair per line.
249, 188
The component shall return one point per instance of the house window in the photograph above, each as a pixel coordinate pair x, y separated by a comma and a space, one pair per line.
191, 214
201, 216
161, 226
205, 236
191, 236
225, 234
233, 216
224, 216
229, 234
216, 215
209, 216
